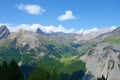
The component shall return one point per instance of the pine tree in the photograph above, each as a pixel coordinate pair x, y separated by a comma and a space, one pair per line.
4, 71
33, 76
14, 70
11, 71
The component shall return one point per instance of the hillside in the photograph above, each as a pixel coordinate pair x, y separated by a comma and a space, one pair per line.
103, 59
70, 52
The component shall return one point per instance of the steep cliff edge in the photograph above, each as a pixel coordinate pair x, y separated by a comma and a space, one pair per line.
4, 32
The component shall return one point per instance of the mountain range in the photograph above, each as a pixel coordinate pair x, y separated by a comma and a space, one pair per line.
98, 51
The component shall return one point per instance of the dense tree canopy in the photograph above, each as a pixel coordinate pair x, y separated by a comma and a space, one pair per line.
10, 71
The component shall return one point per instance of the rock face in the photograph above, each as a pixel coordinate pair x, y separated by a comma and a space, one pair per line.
92, 34
4, 32
104, 58
24, 37
109, 34
101, 58
39, 31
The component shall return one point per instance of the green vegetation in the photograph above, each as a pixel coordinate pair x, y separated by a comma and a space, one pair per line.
69, 60
65, 65
73, 67
113, 40
86, 45
57, 71
6, 43
41, 72
26, 58
64, 61
10, 54
10, 71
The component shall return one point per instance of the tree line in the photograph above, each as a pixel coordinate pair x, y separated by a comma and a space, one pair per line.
10, 71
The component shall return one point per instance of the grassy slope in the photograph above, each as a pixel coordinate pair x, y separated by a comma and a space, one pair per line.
65, 65
68, 62
113, 40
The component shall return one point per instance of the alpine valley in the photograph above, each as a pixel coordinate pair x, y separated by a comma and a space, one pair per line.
67, 56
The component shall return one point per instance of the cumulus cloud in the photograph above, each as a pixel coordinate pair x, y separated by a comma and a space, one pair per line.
52, 28
33, 27
68, 15
59, 28
31, 8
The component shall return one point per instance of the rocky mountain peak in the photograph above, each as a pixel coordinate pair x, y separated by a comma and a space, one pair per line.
4, 32
112, 33
3, 26
116, 30
39, 31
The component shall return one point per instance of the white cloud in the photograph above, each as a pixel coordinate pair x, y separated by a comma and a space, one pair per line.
96, 30
113, 27
87, 31
92, 33
33, 27
59, 28
52, 28
9, 26
68, 15
90, 30
31, 8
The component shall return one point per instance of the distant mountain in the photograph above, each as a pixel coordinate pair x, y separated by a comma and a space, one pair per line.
71, 52
117, 30
104, 58
83, 36
39, 31
4, 32
109, 34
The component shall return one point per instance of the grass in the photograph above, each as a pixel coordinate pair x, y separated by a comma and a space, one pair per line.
26, 58
68, 60
10, 54
68, 65
6, 43
64, 64
113, 40
73, 67
86, 45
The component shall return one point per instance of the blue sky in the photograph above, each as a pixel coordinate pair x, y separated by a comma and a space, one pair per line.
77, 14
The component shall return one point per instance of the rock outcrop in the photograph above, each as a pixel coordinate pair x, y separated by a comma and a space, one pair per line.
39, 31
4, 32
